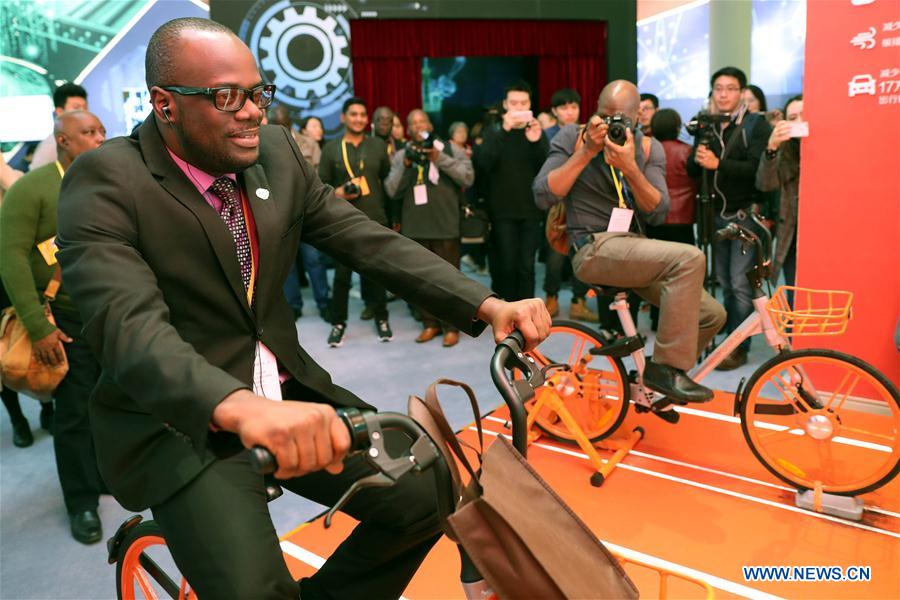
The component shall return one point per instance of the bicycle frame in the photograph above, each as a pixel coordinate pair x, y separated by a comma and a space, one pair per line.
759, 322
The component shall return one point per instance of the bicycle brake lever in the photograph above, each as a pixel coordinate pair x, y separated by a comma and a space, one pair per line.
375, 480
389, 469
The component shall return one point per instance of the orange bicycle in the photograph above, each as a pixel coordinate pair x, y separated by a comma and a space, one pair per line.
817, 419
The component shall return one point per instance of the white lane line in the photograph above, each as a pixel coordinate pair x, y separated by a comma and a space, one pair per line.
305, 556
715, 471
716, 582
712, 488
693, 466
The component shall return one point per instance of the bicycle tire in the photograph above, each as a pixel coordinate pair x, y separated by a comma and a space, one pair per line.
616, 378
792, 437
140, 537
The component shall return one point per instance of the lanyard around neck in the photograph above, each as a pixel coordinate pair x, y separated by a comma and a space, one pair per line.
362, 164
59, 167
618, 186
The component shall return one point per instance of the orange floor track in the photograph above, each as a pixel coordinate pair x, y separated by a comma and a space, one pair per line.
691, 494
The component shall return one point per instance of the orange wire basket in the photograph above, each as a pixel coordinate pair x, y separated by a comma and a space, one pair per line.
671, 583
815, 312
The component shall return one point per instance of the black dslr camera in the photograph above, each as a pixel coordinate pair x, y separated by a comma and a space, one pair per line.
351, 188
618, 125
703, 126
417, 150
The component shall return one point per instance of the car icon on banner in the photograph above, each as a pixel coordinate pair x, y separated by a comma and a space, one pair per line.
861, 84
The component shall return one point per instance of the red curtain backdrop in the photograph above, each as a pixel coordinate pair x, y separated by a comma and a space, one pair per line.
387, 53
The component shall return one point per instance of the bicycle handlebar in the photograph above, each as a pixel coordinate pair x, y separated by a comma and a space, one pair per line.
733, 231
508, 356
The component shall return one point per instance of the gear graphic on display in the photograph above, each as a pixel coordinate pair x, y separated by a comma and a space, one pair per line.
303, 48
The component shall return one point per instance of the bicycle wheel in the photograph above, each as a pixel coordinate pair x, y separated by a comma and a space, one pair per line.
823, 416
595, 390
138, 570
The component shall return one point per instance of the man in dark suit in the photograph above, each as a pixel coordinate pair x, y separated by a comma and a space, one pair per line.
175, 244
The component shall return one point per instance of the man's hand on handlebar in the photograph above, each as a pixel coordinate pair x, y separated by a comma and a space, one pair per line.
304, 437
528, 316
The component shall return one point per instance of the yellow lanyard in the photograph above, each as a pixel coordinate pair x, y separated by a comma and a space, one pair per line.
420, 179
362, 164
62, 172
618, 186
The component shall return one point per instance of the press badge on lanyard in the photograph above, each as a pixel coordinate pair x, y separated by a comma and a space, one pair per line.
360, 179
620, 220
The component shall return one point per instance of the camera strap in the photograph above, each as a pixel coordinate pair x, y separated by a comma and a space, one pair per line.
362, 164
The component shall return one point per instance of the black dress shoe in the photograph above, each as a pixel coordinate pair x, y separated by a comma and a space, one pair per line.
22, 436
86, 526
674, 384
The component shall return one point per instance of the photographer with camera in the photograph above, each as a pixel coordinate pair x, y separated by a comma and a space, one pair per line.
612, 189
426, 179
355, 165
727, 149
510, 157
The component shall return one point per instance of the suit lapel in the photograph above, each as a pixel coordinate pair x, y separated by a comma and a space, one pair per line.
264, 214
174, 181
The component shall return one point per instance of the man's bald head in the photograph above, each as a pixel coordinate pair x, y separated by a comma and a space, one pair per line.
619, 96
75, 132
163, 51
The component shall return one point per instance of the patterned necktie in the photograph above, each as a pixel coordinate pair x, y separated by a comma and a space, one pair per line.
232, 212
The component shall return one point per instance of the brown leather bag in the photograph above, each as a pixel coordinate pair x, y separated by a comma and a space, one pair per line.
524, 539
18, 368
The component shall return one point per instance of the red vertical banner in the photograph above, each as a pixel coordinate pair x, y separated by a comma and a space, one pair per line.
849, 222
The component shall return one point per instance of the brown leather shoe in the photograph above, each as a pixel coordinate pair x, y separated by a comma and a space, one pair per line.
552, 305
580, 312
451, 338
428, 334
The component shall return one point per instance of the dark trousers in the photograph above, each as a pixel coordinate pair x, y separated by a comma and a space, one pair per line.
554, 265
514, 245
372, 293
671, 233
221, 536
732, 263
76, 461
449, 251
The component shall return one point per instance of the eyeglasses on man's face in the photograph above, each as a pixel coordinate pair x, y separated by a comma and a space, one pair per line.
231, 98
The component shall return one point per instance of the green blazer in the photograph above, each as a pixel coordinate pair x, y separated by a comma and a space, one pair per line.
153, 271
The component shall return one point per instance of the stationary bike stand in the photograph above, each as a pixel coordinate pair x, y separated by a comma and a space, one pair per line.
620, 445
845, 507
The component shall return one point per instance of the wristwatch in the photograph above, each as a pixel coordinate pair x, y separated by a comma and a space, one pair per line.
770, 154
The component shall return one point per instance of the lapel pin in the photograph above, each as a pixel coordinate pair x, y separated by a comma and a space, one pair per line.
262, 193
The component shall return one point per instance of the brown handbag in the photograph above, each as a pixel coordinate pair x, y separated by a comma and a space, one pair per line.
19, 370
524, 539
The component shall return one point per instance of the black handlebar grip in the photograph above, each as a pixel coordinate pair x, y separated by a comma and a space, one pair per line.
517, 337
727, 233
263, 462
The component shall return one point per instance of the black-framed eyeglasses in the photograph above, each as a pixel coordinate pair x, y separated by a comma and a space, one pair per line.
231, 98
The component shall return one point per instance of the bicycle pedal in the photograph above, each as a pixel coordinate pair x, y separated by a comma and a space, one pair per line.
620, 348
669, 416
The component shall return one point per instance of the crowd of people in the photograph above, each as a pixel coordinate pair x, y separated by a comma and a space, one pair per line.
631, 212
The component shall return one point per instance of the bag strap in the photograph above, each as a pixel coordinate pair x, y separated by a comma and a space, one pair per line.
53, 285
437, 414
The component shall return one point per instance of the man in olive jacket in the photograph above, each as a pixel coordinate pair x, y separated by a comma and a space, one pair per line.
175, 243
